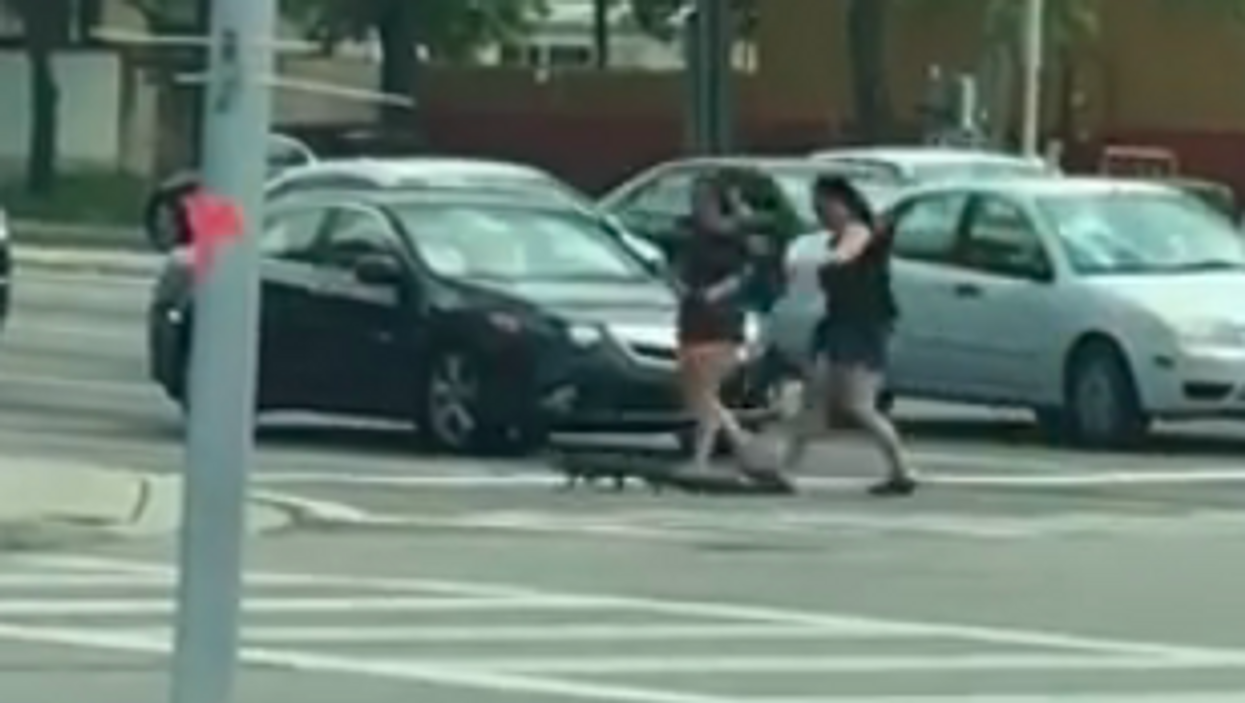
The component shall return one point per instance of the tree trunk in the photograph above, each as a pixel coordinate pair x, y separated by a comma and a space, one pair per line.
866, 42
399, 67
601, 33
46, 23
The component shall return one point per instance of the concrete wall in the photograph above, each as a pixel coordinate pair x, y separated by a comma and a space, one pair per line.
90, 107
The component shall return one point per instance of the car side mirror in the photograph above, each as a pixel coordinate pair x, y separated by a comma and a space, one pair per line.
379, 270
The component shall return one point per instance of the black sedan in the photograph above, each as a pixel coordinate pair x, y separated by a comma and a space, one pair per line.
487, 319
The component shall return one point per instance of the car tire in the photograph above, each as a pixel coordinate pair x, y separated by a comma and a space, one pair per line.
1102, 409
453, 415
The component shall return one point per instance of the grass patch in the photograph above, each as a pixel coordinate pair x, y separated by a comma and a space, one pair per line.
96, 198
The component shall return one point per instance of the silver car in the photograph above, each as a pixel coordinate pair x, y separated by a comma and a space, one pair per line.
1101, 304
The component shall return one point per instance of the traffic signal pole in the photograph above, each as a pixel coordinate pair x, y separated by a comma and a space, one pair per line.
1034, 39
224, 355
709, 46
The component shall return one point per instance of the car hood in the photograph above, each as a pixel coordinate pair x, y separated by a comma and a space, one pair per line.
1215, 296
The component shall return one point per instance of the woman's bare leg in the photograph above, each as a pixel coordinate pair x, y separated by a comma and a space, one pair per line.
859, 400
691, 377
704, 370
809, 423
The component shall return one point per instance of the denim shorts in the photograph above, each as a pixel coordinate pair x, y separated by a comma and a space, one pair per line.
856, 344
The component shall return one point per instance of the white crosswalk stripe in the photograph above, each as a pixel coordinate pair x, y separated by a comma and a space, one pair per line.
569, 646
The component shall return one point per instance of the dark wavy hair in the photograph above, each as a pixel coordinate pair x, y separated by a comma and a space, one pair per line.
834, 187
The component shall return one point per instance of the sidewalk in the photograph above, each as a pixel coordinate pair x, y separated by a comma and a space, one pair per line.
83, 249
45, 504
60, 259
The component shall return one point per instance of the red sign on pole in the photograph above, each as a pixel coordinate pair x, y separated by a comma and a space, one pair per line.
213, 221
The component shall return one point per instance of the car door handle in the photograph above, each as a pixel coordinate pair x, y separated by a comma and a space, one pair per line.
967, 290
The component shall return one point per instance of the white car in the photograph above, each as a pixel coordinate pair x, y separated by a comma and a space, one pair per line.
906, 166
1101, 304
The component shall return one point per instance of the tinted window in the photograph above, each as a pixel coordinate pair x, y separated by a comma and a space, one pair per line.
1001, 239
356, 233
1141, 232
291, 234
926, 228
517, 243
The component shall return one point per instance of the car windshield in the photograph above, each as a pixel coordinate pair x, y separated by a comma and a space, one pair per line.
547, 189
1142, 232
517, 243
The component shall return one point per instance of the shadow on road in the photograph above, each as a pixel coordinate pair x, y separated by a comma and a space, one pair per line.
1223, 440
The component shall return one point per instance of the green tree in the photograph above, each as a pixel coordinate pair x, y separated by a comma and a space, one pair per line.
867, 27
45, 24
446, 29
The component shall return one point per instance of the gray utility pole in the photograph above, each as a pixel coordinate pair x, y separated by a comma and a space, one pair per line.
709, 50
1034, 39
220, 442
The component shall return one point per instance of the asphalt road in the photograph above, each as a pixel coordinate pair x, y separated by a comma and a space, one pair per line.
1023, 572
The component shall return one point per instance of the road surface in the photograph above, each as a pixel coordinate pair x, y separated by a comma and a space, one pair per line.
1023, 571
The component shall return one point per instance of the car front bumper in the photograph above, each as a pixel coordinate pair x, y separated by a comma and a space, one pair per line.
1204, 383
616, 388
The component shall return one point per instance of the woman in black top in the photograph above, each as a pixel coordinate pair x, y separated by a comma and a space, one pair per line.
851, 341
713, 270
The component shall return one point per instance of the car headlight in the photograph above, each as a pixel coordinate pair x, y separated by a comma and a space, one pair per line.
585, 335
753, 336
1211, 333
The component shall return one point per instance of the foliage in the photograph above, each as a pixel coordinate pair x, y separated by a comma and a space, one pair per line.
657, 18
449, 29
100, 198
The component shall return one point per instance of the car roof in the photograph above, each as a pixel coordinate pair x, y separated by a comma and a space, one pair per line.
448, 196
758, 162
910, 157
1046, 186
408, 168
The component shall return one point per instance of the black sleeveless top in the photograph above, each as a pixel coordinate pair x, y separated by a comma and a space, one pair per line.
707, 259
859, 293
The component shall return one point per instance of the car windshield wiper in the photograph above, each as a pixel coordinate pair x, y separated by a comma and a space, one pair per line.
1210, 265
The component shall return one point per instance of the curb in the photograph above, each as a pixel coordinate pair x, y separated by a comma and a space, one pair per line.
84, 261
93, 237
152, 507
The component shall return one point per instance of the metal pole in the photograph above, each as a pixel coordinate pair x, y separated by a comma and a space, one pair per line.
1033, 35
691, 82
201, 25
223, 359
718, 52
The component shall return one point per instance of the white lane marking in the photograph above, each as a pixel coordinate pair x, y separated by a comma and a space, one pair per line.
552, 632
131, 337
87, 579
29, 271
143, 606
61, 384
1063, 696
797, 664
537, 478
508, 684
735, 612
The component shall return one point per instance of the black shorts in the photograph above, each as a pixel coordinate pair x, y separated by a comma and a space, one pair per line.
701, 323
861, 345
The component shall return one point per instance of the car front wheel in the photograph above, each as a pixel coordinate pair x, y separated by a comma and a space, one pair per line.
1102, 408
455, 415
